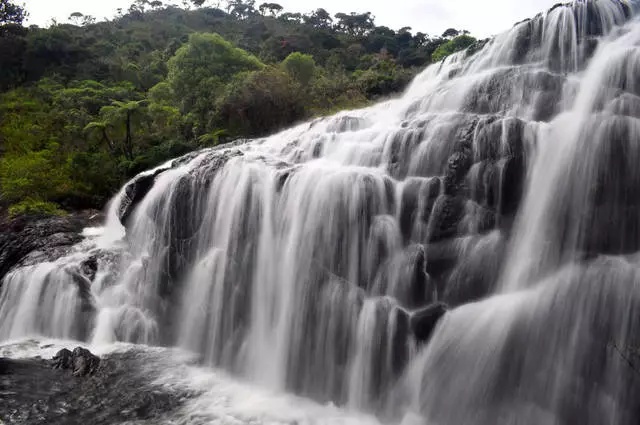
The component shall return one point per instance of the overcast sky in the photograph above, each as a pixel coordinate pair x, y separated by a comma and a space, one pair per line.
482, 18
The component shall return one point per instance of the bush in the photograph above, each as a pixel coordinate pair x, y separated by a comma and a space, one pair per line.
36, 174
35, 206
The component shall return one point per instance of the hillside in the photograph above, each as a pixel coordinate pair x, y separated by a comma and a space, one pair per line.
85, 105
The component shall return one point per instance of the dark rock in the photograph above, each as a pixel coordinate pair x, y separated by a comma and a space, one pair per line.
424, 321
89, 267
63, 359
476, 273
84, 362
41, 238
458, 166
134, 193
81, 361
447, 213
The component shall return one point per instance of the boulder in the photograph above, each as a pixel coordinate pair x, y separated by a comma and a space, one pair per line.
81, 361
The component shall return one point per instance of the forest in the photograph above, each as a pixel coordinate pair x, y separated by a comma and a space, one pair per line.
86, 105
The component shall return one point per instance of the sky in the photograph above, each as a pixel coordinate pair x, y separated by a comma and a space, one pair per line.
482, 18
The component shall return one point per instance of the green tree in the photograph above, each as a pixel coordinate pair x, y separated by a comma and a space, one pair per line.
125, 115
301, 67
260, 102
101, 128
200, 70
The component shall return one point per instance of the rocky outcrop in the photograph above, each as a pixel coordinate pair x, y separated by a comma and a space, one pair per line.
41, 238
135, 192
80, 361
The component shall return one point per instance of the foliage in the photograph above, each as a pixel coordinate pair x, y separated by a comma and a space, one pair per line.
260, 102
200, 70
300, 67
35, 206
37, 174
457, 44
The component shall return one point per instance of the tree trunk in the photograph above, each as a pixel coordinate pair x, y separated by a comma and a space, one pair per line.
110, 144
128, 141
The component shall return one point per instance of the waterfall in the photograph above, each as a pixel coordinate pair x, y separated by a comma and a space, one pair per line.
465, 253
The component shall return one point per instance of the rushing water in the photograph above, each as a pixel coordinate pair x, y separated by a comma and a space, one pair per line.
504, 183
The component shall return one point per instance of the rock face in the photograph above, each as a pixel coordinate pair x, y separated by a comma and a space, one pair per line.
42, 237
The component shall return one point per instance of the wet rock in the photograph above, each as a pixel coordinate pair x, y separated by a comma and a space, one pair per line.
135, 192
420, 287
81, 361
417, 203
424, 321
476, 273
458, 166
89, 267
84, 362
447, 213
63, 359
34, 239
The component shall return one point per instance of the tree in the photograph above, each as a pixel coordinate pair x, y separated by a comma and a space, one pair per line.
156, 4
76, 17
450, 33
354, 24
291, 17
101, 128
300, 67
241, 9
259, 102
123, 114
319, 18
200, 69
273, 8
88, 20
11, 13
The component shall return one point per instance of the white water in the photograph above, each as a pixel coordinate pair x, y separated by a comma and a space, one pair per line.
301, 261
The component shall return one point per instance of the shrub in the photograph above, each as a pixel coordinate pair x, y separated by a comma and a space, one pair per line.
35, 206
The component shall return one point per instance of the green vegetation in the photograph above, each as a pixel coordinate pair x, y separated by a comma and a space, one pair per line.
456, 44
85, 105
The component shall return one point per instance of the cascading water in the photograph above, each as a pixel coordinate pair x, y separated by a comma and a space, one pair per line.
504, 183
